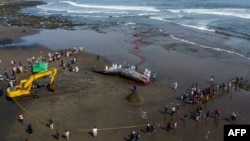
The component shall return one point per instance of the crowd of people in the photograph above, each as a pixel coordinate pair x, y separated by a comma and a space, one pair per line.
198, 96
195, 96
17, 67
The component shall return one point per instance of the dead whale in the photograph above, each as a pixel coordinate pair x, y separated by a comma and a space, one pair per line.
126, 73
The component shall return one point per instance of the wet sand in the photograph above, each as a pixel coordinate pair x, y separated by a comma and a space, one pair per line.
85, 99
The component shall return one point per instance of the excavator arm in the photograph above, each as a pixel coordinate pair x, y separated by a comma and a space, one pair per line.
26, 85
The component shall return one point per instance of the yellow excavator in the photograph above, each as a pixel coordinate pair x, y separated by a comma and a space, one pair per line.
25, 88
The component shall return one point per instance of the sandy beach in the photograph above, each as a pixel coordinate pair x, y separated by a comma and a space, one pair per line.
87, 99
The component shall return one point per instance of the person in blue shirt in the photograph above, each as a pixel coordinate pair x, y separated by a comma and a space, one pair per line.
29, 129
154, 76
136, 88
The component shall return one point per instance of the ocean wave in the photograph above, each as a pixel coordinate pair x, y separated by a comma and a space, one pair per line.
112, 7
160, 19
202, 27
234, 12
95, 12
130, 23
90, 16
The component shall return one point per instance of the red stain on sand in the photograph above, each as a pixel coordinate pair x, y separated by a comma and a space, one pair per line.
135, 41
136, 51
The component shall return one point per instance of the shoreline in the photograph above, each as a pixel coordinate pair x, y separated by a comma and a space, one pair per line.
85, 99
12, 35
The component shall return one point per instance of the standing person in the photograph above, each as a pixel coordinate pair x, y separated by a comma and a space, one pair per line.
207, 114
94, 131
6, 74
1, 91
173, 110
168, 126
62, 62
177, 107
29, 129
136, 88
11, 84
20, 118
218, 113
166, 109
152, 128
175, 124
64, 66
185, 117
212, 79
76, 69
154, 76
57, 135
137, 137
147, 129
175, 85
233, 117
66, 134
51, 124
132, 135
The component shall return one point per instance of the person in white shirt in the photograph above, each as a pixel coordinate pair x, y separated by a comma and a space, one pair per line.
173, 110
66, 133
76, 69
175, 85
94, 131
20, 118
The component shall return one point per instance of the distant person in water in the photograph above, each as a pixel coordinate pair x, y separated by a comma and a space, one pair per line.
212, 79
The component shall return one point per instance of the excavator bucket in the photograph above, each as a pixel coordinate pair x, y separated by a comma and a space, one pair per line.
52, 87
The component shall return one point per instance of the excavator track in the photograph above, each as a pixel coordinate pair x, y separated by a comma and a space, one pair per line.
26, 97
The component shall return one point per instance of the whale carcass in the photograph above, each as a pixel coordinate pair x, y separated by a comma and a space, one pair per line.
128, 73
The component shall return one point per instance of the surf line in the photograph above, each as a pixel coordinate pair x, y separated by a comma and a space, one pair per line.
203, 46
135, 41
